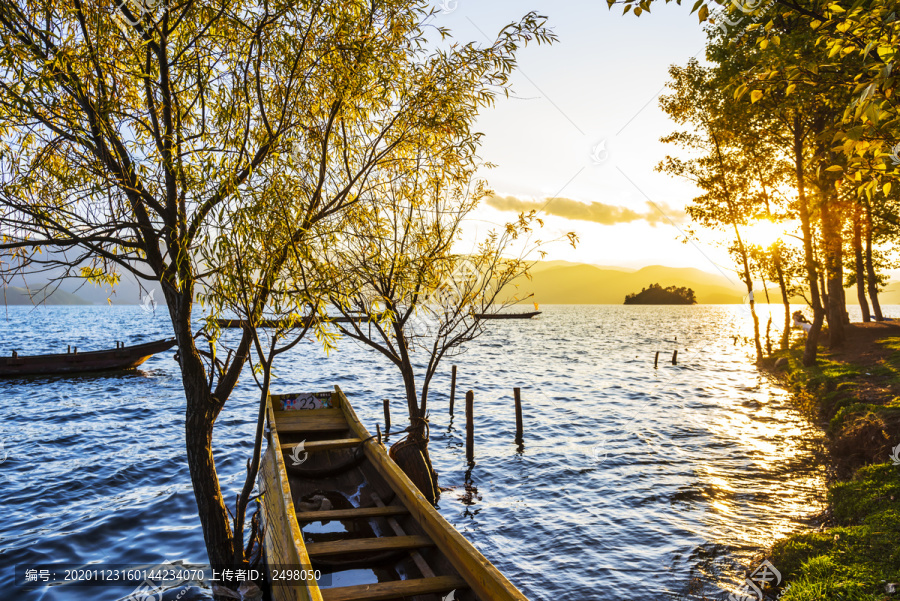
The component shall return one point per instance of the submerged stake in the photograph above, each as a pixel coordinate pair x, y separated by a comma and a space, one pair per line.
519, 428
452, 389
470, 426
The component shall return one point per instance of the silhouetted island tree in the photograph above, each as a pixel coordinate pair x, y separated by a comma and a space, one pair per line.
657, 295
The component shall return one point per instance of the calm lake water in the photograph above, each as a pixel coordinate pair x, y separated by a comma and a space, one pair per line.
633, 483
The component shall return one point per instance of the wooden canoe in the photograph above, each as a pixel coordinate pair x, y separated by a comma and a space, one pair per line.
527, 315
280, 323
376, 537
123, 357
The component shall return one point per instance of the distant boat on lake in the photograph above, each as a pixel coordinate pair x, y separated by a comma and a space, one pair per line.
524, 315
121, 357
281, 323
527, 315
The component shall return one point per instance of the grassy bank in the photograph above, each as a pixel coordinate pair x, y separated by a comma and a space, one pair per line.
855, 394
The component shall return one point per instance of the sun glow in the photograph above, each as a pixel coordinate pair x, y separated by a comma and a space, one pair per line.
763, 233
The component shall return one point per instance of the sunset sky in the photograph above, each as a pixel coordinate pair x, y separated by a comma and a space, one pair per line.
600, 81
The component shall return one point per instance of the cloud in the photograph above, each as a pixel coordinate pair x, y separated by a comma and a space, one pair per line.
596, 212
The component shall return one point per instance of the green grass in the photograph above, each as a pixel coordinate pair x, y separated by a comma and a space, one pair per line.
855, 559
829, 389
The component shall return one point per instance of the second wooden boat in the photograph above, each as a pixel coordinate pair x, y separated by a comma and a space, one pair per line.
527, 315
281, 323
336, 503
121, 357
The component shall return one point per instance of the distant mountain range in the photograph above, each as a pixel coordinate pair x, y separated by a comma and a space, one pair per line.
563, 282
13, 295
552, 282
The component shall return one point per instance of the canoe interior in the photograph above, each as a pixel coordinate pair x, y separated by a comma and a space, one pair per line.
349, 511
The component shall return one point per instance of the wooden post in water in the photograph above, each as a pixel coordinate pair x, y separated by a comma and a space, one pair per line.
387, 415
452, 389
518, 396
470, 426
675, 357
378, 429
656, 360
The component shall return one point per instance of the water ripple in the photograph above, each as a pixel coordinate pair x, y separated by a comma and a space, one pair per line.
633, 483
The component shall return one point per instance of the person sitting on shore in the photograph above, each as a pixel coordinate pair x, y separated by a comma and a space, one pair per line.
801, 322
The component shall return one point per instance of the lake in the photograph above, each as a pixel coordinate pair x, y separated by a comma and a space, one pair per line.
633, 482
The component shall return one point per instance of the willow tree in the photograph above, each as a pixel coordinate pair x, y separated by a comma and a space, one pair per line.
131, 138
424, 298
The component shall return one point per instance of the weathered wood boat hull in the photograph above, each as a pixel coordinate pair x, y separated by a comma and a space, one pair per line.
281, 323
527, 315
126, 357
376, 527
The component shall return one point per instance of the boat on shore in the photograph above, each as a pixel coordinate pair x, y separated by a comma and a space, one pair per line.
525, 315
119, 358
336, 506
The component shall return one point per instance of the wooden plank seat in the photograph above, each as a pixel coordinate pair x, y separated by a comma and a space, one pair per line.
323, 445
394, 590
317, 420
367, 545
417, 558
351, 514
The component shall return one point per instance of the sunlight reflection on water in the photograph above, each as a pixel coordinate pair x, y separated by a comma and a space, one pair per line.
633, 483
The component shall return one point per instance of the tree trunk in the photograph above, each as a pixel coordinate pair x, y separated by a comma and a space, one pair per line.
756, 338
200, 415
812, 338
240, 511
872, 281
411, 452
786, 334
748, 281
859, 265
832, 245
210, 504
762, 277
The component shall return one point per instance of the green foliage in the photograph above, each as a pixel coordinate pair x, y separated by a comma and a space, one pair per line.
854, 559
874, 490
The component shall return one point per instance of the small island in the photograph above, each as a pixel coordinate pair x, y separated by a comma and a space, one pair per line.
657, 295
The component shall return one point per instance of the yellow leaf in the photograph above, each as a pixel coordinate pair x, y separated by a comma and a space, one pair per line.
755, 95
763, 43
886, 188
704, 12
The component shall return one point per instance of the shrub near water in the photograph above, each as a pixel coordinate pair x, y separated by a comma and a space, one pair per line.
857, 558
